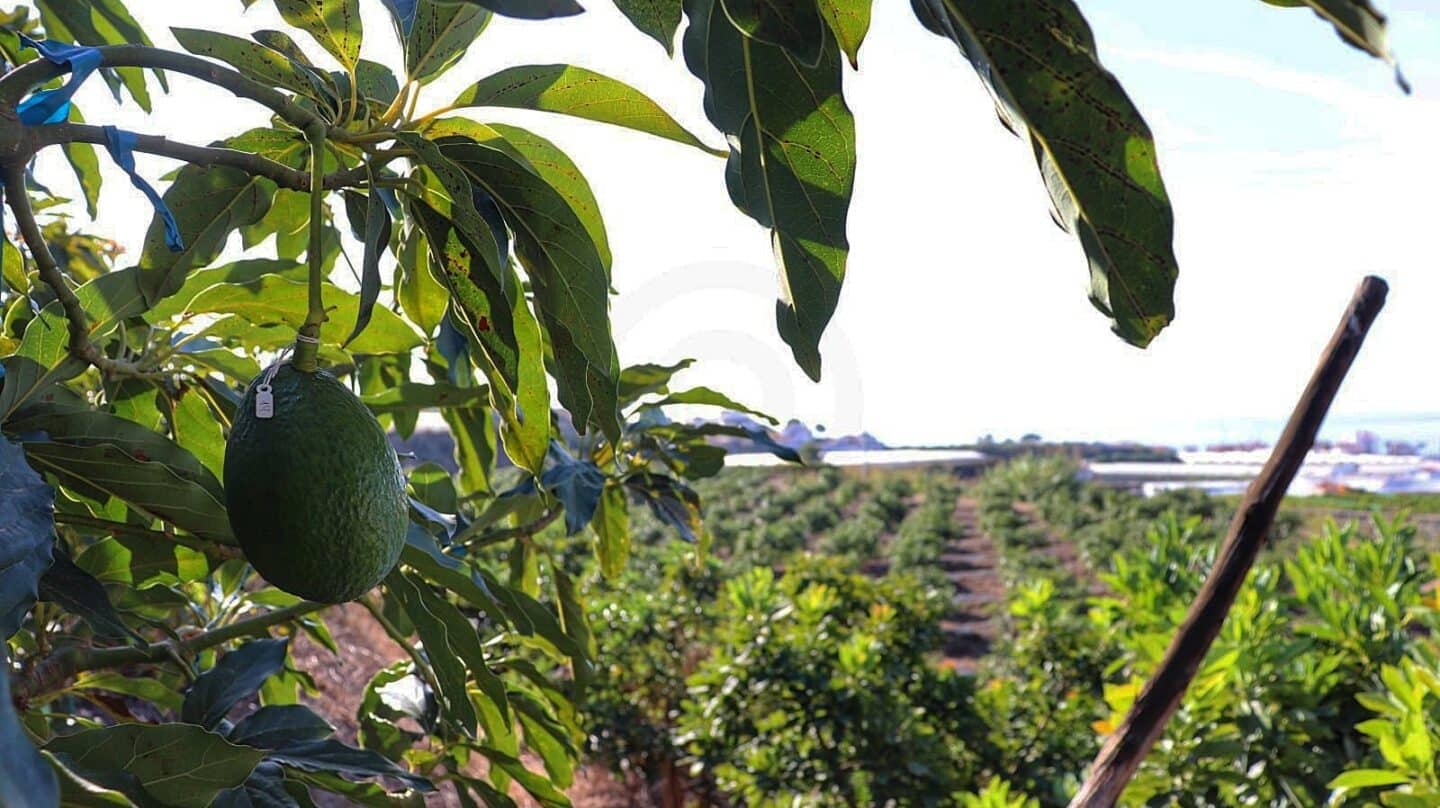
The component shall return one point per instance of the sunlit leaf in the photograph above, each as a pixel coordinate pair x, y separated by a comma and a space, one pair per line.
335, 25
571, 90
439, 36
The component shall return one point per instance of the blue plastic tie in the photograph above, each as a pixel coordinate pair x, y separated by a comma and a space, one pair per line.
53, 106
121, 145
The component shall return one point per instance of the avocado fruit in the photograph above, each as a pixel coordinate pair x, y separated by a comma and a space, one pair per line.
315, 492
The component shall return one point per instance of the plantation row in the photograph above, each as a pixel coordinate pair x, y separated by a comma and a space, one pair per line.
798, 661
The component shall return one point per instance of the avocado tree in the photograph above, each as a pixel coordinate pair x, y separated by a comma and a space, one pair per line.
148, 660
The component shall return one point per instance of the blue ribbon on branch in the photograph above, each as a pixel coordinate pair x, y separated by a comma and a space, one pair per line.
53, 106
121, 145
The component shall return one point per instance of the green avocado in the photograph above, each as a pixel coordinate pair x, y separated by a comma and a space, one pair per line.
315, 492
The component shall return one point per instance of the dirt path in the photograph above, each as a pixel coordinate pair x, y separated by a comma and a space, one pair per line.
971, 564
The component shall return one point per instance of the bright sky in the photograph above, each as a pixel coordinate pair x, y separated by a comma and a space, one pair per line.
1294, 164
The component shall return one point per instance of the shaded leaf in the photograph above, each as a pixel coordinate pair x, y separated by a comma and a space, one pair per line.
179, 764
577, 485
510, 350
77, 592
335, 757
567, 274
576, 91
1095, 152
236, 676
672, 502
656, 19
423, 608
417, 396
1358, 23
27, 537
792, 161
790, 24
26, 780
278, 726
376, 237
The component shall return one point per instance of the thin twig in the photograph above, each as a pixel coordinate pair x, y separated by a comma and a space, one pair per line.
52, 672
212, 549
473, 537
80, 346
1161, 696
255, 164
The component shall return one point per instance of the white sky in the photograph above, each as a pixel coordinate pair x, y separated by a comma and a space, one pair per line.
1294, 164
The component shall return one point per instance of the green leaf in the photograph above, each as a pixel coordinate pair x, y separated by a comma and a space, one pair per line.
243, 271
418, 396
530, 9
27, 537
421, 295
576, 91
208, 203
102, 22
337, 758
849, 21
180, 764
474, 435
280, 725
672, 502
508, 338
86, 165
656, 19
638, 381
137, 563
151, 690
547, 738
1095, 152
481, 239
567, 274
335, 24
556, 168
790, 24
257, 61
612, 530
236, 676
1358, 23
104, 470
43, 357
792, 161
708, 397
439, 36
79, 426
431, 484
376, 237
577, 486
197, 429
274, 299
1367, 778
79, 593
450, 672
26, 780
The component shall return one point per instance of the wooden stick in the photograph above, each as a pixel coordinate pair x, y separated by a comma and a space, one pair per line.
1124, 750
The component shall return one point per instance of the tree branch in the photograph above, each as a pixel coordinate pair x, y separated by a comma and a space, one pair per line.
283, 175
1158, 700
80, 346
15, 84
53, 671
473, 537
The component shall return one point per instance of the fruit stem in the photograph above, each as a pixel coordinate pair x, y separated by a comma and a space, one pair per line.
307, 342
